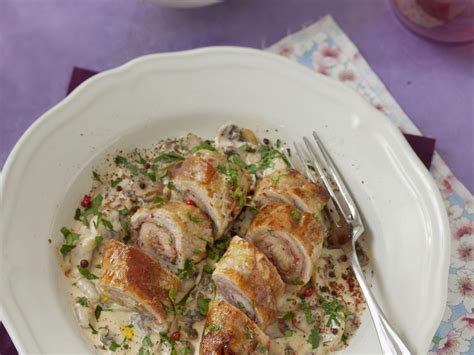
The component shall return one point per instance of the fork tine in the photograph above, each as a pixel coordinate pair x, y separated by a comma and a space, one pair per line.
302, 159
322, 172
337, 178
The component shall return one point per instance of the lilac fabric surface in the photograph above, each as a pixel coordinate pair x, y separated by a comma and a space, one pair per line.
40, 41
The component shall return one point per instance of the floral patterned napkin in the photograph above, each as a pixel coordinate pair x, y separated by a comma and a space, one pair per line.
325, 48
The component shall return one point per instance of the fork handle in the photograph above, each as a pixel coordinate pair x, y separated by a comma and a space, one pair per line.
390, 341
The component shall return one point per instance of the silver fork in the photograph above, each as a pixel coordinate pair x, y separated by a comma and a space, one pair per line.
390, 341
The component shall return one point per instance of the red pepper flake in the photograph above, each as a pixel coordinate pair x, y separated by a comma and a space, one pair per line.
176, 335
343, 258
50, 241
147, 165
152, 215
308, 292
86, 201
191, 203
84, 263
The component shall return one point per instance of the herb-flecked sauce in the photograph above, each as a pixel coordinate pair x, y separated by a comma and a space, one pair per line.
318, 318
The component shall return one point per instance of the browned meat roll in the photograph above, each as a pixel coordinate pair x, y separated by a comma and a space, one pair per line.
173, 233
247, 279
217, 186
137, 280
229, 331
291, 187
291, 239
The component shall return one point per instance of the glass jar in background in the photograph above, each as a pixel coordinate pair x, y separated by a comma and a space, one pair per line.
441, 20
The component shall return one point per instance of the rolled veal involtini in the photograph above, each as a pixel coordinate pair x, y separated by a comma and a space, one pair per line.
218, 186
291, 187
173, 232
247, 279
138, 281
229, 331
291, 239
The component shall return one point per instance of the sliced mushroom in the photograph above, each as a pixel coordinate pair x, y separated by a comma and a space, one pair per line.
231, 137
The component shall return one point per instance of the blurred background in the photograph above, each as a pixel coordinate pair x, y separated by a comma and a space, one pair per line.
41, 42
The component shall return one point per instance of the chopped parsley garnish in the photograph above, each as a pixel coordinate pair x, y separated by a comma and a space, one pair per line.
235, 158
94, 331
232, 176
151, 175
194, 218
298, 282
182, 301
98, 311
240, 305
147, 342
99, 239
288, 333
162, 174
252, 206
82, 301
139, 158
288, 316
70, 239
334, 311
252, 303
203, 304
157, 200
107, 224
208, 269
93, 209
249, 334
313, 338
120, 160
114, 346
115, 182
203, 146
296, 214
169, 157
96, 176
86, 273
78, 214
269, 154
133, 169
172, 294
307, 313
213, 327
261, 349
275, 178
171, 186
315, 216
187, 270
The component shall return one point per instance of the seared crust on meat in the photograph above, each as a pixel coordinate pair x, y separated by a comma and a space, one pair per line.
291, 239
173, 233
246, 278
127, 270
203, 178
229, 331
291, 187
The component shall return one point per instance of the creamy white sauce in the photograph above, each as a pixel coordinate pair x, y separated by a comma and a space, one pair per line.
123, 330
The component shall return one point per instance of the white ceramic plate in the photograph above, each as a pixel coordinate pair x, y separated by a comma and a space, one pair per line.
169, 94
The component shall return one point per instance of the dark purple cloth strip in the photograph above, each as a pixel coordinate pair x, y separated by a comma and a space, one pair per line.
78, 76
423, 147
6, 345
